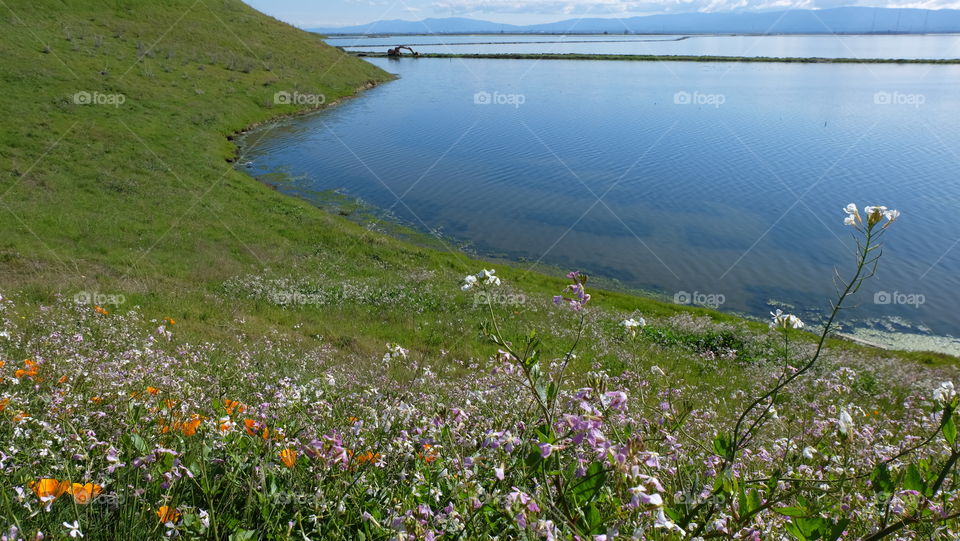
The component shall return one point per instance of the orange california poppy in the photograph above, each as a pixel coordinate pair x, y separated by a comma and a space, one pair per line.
289, 457
232, 405
96, 400
3, 404
100, 311
84, 494
254, 426
168, 514
153, 390
49, 489
429, 454
170, 321
368, 458
63, 379
189, 428
169, 403
21, 416
29, 369
352, 420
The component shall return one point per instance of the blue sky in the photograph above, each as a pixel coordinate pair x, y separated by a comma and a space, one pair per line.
324, 13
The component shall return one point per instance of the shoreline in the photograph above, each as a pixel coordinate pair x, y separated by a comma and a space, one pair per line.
665, 58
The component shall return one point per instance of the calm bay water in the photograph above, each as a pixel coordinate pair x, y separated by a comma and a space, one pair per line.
725, 180
933, 46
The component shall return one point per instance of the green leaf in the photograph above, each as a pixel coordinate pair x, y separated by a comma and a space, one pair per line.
912, 480
242, 535
594, 519
588, 487
836, 530
754, 501
793, 511
137, 443
722, 445
950, 430
881, 480
552, 390
794, 530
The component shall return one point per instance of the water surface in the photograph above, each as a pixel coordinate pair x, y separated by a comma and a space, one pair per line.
722, 179
931, 46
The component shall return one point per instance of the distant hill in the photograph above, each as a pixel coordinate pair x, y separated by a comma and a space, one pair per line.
452, 25
849, 20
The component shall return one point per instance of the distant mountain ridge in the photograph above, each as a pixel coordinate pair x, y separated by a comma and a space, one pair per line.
848, 20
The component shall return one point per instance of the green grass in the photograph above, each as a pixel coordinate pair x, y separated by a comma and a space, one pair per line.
142, 199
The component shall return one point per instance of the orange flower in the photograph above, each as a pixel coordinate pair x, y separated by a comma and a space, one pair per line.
168, 514
254, 426
63, 379
232, 405
289, 457
368, 458
29, 370
3, 404
21, 416
100, 311
226, 425
96, 400
352, 420
84, 494
429, 454
169, 403
170, 321
189, 428
153, 390
49, 489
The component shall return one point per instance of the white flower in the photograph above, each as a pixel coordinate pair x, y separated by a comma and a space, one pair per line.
394, 351
846, 423
809, 453
74, 528
484, 277
785, 321
945, 393
488, 277
663, 522
630, 325
853, 215
657, 370
877, 213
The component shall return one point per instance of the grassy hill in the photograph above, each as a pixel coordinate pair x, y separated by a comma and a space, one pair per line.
137, 197
119, 187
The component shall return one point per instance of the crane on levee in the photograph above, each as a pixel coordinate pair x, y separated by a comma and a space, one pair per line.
398, 51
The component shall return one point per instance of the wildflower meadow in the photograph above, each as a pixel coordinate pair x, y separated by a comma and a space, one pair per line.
113, 427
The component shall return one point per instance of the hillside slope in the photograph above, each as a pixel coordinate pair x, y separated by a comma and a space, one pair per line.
114, 173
